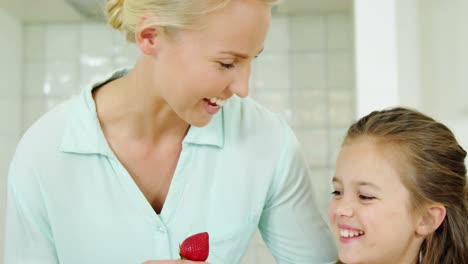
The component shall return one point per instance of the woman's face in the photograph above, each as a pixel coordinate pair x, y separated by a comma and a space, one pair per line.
199, 70
370, 211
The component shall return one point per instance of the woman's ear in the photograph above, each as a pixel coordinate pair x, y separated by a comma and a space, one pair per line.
148, 38
431, 219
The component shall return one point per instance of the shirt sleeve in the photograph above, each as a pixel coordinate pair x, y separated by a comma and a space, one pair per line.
291, 224
28, 236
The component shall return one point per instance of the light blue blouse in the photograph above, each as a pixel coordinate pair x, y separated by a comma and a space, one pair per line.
71, 201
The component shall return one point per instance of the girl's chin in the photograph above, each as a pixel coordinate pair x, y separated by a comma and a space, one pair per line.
350, 258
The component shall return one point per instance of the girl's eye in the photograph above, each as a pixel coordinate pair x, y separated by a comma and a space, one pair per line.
226, 65
336, 193
366, 198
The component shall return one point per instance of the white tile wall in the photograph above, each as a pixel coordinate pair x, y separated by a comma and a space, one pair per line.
96, 41
308, 69
10, 125
339, 30
340, 68
62, 42
315, 144
272, 64
308, 33
35, 42
336, 138
305, 73
51, 78
10, 102
34, 73
309, 108
341, 103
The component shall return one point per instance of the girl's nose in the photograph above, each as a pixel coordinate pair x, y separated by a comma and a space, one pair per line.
344, 208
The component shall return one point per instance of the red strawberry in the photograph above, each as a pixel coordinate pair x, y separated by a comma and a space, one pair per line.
195, 247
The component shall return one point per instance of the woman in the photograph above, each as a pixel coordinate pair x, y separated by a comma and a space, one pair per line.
172, 147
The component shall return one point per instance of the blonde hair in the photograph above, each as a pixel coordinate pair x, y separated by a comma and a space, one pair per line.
436, 174
124, 15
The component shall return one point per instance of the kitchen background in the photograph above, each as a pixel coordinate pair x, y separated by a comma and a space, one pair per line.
326, 62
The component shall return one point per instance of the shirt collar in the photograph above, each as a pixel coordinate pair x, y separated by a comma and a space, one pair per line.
211, 135
83, 133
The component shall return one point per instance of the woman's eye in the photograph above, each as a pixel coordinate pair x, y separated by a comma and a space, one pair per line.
226, 65
366, 198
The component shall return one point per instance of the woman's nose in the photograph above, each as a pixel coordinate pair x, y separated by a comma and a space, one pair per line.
240, 86
241, 90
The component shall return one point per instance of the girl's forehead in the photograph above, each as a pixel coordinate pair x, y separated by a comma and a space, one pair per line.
370, 154
361, 165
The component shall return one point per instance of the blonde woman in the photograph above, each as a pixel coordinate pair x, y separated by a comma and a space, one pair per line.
167, 149
400, 192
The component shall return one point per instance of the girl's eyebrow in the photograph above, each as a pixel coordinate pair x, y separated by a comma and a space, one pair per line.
370, 184
359, 183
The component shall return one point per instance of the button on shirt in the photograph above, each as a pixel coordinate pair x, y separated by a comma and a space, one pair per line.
70, 200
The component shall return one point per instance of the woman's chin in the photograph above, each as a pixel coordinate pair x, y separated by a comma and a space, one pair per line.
200, 122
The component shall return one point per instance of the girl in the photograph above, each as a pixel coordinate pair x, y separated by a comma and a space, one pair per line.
400, 192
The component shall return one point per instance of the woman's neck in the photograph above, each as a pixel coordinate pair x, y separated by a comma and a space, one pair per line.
128, 108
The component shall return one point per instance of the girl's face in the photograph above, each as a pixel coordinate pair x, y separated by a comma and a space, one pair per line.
370, 211
199, 70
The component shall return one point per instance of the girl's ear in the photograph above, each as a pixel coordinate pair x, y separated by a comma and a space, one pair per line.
148, 38
431, 219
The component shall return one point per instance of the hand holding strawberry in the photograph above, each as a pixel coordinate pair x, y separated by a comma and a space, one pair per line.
179, 261
195, 247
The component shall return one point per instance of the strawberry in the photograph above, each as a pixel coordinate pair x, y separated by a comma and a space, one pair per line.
195, 247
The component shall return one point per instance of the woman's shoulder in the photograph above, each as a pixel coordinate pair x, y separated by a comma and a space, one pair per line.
38, 147
47, 131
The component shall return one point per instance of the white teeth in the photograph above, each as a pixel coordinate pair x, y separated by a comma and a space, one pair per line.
350, 233
220, 102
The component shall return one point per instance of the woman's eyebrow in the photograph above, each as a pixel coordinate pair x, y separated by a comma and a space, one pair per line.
240, 55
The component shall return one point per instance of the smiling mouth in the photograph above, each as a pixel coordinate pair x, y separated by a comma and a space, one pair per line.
348, 233
215, 101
